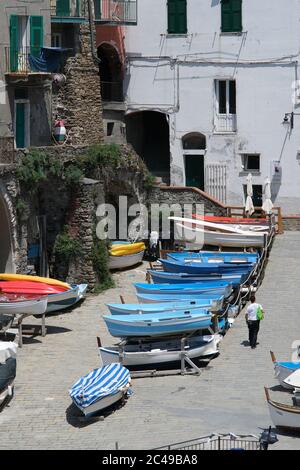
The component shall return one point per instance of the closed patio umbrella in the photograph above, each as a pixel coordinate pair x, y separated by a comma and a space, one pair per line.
267, 205
249, 208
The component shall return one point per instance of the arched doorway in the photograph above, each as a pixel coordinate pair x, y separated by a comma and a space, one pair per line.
111, 73
6, 252
194, 149
148, 133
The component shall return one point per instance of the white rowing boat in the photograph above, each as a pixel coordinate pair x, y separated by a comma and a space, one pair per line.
193, 223
283, 416
207, 237
125, 261
160, 352
33, 307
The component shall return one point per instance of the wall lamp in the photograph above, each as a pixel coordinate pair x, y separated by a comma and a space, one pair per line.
289, 119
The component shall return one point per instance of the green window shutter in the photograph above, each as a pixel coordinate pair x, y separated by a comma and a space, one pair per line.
14, 39
236, 15
97, 4
62, 7
231, 16
177, 17
36, 35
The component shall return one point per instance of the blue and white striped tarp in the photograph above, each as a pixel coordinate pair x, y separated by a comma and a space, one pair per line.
99, 383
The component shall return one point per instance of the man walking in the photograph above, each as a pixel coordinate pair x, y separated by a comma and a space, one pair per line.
254, 314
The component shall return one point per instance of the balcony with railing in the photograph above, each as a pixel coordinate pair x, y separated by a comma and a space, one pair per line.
116, 12
32, 60
225, 123
67, 11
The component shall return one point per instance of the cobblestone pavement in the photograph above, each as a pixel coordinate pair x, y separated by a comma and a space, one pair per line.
227, 397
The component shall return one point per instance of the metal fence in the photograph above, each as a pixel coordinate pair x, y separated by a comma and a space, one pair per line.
217, 442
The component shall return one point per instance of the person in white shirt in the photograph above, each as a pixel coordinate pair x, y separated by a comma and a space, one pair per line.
252, 321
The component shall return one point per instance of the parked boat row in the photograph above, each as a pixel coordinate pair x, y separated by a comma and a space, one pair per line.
284, 415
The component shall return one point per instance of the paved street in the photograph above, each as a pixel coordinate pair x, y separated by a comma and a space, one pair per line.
227, 397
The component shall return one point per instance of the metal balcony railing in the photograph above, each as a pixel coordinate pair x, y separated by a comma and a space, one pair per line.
226, 122
66, 8
116, 11
17, 60
112, 91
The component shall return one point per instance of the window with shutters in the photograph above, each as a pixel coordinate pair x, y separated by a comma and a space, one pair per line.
36, 35
231, 13
177, 17
225, 115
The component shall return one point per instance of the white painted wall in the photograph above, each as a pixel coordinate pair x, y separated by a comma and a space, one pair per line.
264, 62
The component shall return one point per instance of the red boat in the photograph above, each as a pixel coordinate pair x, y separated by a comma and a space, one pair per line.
7, 297
230, 220
29, 287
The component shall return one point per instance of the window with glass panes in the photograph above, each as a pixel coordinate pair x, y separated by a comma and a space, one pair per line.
226, 96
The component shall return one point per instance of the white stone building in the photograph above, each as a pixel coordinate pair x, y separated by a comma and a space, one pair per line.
207, 85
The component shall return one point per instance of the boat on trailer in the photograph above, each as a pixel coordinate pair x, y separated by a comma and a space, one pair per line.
200, 268
214, 301
206, 237
283, 416
101, 388
160, 277
163, 307
166, 351
219, 287
158, 324
283, 370
214, 257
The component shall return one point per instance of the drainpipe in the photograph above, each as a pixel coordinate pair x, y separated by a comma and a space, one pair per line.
91, 21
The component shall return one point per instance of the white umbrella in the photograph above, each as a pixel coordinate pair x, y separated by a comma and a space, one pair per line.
267, 205
249, 208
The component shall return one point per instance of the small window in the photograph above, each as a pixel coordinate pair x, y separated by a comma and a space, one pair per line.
177, 17
56, 40
110, 128
231, 16
251, 162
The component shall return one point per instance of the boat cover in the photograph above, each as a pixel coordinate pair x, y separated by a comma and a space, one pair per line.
99, 384
8, 349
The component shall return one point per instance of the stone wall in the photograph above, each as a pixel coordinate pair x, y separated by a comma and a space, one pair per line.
185, 195
7, 150
78, 101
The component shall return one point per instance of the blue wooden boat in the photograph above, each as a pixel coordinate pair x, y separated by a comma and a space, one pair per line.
158, 324
195, 267
215, 257
214, 300
173, 278
220, 287
164, 307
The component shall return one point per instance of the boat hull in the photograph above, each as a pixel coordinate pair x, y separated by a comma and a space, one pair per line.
283, 371
224, 289
222, 239
130, 326
200, 268
7, 373
215, 301
66, 299
126, 261
283, 417
159, 277
34, 307
216, 257
165, 307
160, 352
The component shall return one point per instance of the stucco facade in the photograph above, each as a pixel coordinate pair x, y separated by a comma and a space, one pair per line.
176, 75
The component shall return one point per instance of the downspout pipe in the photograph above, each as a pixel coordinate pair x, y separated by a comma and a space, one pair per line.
92, 23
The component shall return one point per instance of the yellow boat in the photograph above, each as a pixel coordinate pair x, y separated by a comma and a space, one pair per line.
130, 249
25, 277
